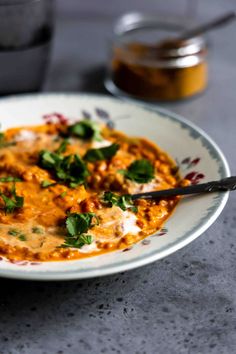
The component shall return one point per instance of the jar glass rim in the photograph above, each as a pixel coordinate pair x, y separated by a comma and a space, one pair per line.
136, 24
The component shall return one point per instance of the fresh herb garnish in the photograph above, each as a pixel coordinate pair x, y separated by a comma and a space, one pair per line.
63, 194
124, 202
77, 226
46, 184
14, 232
140, 171
77, 241
62, 147
103, 153
10, 179
18, 233
49, 160
72, 170
37, 230
4, 143
86, 129
68, 169
22, 237
13, 202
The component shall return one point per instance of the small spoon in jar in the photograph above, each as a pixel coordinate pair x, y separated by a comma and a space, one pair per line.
199, 30
205, 27
224, 185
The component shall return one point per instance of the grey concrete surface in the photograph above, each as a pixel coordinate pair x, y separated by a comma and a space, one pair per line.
182, 304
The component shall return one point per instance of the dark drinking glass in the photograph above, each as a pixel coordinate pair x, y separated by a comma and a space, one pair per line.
26, 28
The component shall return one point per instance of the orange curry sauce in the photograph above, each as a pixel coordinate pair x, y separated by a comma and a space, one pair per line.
36, 230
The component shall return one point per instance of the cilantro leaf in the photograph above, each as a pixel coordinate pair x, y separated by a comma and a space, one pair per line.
63, 194
85, 129
77, 242
104, 153
69, 169
22, 237
62, 147
140, 171
49, 160
37, 230
46, 184
18, 233
4, 143
77, 225
72, 170
124, 202
14, 232
10, 179
13, 202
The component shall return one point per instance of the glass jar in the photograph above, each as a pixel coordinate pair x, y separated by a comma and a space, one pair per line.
142, 66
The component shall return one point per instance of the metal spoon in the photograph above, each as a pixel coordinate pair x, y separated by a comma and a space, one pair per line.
224, 185
219, 21
199, 30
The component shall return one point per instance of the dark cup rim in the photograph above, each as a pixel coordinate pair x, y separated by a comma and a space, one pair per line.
25, 49
5, 3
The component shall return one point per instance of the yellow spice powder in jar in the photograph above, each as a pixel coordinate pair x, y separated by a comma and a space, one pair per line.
158, 72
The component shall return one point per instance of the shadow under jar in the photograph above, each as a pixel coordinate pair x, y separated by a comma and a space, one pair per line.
26, 29
144, 67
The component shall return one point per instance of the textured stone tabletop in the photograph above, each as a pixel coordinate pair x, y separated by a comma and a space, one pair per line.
182, 304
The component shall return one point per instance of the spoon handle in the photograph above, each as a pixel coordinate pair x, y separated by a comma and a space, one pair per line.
209, 25
226, 184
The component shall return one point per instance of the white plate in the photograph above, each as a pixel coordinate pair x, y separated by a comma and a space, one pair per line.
195, 152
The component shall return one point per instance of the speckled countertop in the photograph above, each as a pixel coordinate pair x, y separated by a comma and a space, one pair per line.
182, 304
